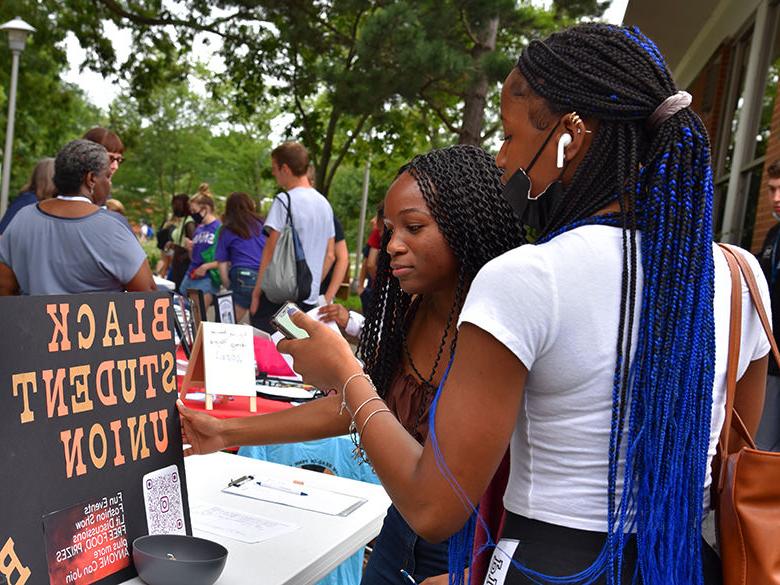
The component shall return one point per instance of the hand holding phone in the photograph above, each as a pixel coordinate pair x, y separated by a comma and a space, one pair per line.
283, 323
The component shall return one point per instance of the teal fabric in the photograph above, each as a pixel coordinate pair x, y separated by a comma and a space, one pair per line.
331, 456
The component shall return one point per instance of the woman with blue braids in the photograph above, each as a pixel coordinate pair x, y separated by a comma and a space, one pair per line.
598, 354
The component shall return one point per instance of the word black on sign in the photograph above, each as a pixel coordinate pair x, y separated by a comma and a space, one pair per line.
88, 424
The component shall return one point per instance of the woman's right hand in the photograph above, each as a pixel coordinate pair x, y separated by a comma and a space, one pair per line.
201, 431
334, 312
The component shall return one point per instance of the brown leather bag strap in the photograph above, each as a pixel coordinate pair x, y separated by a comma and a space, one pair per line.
732, 363
758, 304
755, 295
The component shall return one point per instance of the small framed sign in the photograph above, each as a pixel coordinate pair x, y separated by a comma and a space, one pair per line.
225, 308
197, 309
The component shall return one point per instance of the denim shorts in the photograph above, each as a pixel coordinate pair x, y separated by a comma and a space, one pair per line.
398, 547
205, 284
242, 283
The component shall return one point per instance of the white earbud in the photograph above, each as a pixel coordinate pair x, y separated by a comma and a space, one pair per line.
563, 142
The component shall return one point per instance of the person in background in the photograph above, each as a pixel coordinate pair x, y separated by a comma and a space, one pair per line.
163, 238
337, 271
768, 435
313, 219
113, 144
116, 206
439, 205
68, 245
197, 277
181, 238
39, 188
240, 249
370, 257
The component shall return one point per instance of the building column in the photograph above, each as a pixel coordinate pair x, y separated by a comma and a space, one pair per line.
749, 118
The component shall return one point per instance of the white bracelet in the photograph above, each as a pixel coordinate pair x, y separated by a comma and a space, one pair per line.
344, 390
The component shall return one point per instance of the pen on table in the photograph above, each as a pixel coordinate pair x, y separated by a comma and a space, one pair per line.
409, 579
281, 487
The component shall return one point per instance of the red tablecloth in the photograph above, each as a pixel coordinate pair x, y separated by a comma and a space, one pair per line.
268, 360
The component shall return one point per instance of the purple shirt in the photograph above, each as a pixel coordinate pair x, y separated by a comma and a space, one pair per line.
201, 240
240, 252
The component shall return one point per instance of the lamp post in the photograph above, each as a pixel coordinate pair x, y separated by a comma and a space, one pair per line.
18, 30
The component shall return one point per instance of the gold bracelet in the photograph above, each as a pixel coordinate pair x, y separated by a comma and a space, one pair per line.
344, 391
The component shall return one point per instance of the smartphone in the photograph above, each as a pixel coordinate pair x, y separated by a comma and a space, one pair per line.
281, 320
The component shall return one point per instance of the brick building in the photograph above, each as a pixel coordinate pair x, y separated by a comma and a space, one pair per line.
726, 53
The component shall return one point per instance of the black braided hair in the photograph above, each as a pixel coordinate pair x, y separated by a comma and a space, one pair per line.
462, 188
663, 182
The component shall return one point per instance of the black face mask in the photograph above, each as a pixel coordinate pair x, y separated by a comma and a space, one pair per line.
535, 212
196, 217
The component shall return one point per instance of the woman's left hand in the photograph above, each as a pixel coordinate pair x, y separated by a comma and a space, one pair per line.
324, 359
200, 271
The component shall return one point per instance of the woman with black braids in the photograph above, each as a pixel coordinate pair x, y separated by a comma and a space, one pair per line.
598, 354
445, 219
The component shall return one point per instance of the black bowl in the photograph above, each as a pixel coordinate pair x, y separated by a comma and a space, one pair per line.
175, 559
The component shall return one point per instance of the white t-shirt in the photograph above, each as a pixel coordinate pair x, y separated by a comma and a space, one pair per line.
313, 219
556, 307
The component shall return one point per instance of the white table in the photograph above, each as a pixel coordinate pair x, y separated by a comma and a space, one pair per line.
301, 557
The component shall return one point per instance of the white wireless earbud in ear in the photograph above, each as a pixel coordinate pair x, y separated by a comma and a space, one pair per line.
563, 142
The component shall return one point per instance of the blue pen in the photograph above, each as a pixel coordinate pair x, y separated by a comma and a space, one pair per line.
409, 579
272, 485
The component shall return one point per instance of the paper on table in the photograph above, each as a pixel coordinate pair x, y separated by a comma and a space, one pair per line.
240, 526
316, 500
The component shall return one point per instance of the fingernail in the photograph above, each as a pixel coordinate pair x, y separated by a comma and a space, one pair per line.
292, 310
179, 402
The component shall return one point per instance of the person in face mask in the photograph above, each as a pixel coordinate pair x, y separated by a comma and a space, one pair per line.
181, 238
205, 236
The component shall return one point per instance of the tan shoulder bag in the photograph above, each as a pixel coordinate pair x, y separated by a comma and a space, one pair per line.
748, 489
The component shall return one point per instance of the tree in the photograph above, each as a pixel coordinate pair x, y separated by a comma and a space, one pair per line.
49, 112
337, 66
175, 142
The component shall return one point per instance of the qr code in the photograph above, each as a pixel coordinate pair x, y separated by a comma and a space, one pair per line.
162, 496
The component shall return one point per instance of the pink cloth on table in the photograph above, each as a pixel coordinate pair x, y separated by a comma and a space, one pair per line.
269, 360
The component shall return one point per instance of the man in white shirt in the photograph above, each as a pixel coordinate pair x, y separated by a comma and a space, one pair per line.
313, 219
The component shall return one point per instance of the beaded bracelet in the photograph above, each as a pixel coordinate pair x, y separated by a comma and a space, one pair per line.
344, 391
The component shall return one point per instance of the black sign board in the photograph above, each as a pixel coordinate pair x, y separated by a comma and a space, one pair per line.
90, 440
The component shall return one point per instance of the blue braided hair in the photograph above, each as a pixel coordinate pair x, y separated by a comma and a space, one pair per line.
662, 399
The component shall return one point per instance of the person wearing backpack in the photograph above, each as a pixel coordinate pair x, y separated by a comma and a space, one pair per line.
301, 217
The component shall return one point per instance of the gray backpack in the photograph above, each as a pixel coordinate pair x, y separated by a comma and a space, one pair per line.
287, 277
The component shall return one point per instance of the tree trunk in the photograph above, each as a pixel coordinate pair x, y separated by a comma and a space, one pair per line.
476, 96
